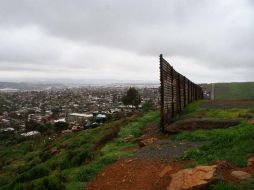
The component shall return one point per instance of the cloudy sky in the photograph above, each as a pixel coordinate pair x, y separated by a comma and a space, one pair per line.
206, 40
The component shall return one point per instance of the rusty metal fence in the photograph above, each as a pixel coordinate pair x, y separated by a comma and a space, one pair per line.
176, 92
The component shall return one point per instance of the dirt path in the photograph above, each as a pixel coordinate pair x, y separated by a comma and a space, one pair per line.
135, 174
151, 166
148, 169
165, 150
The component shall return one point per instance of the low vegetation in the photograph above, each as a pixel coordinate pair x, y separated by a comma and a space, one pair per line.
31, 164
232, 144
197, 110
69, 161
234, 90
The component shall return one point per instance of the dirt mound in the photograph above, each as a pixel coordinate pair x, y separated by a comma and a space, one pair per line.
200, 123
135, 174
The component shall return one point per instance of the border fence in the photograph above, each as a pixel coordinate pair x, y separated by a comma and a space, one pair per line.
176, 92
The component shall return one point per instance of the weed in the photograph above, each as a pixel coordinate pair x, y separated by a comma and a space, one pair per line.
232, 144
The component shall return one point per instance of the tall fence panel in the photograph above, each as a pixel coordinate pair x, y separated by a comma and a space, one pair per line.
176, 92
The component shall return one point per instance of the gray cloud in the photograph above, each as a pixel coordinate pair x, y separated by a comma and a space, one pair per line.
124, 38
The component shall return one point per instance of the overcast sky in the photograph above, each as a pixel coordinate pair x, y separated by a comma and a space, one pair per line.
206, 40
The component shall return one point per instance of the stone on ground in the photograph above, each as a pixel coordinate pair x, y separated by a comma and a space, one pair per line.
241, 175
194, 178
251, 162
148, 141
165, 171
128, 138
251, 121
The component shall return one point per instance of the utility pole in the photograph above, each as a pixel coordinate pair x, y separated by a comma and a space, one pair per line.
212, 93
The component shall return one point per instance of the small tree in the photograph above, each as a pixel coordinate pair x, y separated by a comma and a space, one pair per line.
148, 105
132, 97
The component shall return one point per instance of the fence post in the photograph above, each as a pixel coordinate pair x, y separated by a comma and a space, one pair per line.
162, 94
184, 92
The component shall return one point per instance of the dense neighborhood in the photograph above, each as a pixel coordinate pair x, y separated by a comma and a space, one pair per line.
31, 113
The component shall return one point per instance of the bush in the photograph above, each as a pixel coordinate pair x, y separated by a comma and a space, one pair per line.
148, 106
109, 135
34, 173
78, 159
4, 180
48, 183
59, 126
44, 156
89, 172
63, 164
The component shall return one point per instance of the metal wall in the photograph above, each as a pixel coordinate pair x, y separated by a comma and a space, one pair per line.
176, 92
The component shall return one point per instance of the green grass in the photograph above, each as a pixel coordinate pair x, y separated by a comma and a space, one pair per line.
195, 110
235, 90
223, 186
82, 155
232, 144
191, 110
249, 185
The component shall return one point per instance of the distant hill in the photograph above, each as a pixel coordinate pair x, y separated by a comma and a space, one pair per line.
8, 86
234, 90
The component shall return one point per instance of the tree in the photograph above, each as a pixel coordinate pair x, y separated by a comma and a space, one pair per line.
148, 105
60, 126
132, 97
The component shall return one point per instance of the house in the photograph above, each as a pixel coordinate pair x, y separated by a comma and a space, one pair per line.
78, 117
31, 134
63, 120
101, 118
8, 129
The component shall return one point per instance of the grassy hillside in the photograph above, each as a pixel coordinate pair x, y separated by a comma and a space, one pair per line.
30, 164
241, 90
233, 144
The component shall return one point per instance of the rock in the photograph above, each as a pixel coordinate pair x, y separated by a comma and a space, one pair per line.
165, 171
195, 178
128, 138
251, 121
251, 162
222, 164
241, 175
53, 150
130, 160
146, 142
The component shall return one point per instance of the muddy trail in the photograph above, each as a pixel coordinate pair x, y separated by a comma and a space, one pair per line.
150, 166
153, 164
135, 174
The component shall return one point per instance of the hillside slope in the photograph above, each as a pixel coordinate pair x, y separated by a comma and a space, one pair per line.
67, 161
235, 90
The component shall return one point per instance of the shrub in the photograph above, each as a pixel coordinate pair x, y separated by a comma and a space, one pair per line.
4, 180
110, 134
88, 172
44, 156
49, 183
34, 173
81, 157
148, 105
63, 164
